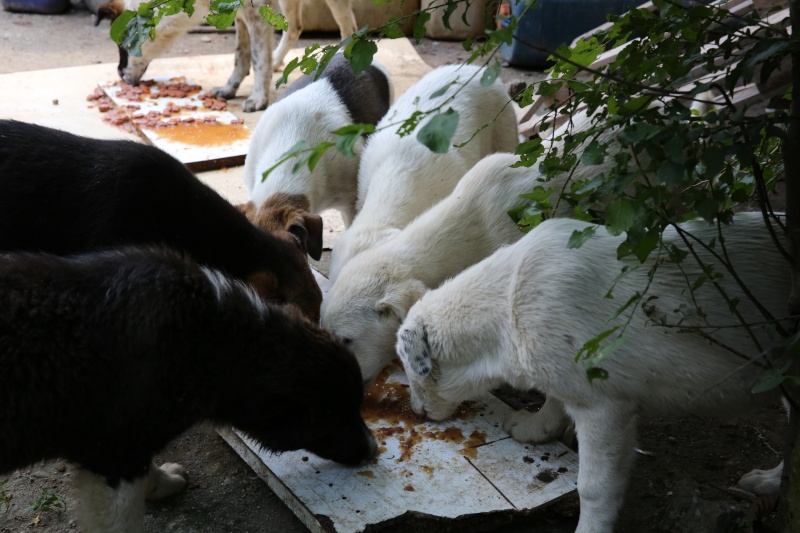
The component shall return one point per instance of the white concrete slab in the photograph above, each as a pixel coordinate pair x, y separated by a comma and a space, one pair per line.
458, 468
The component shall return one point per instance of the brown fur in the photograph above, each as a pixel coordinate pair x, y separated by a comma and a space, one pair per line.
287, 216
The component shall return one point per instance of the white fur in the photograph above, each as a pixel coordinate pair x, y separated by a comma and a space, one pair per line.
522, 315
376, 288
399, 178
165, 481
254, 43
310, 115
102, 509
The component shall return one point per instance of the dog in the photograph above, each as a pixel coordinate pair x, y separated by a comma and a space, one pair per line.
310, 111
108, 356
521, 316
254, 42
399, 178
64, 194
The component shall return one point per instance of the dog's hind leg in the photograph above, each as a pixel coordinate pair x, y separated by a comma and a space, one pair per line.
293, 12
241, 63
549, 423
342, 11
606, 441
103, 509
165, 481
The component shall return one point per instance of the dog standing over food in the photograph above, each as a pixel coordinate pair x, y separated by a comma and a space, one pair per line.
65, 194
399, 178
108, 356
310, 111
254, 46
521, 316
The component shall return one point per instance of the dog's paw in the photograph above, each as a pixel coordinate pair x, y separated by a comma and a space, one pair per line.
165, 481
227, 92
277, 64
761, 482
254, 104
524, 426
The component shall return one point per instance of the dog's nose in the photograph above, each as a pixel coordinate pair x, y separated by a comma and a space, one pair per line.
372, 452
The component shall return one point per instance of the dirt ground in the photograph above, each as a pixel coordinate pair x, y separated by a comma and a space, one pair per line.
682, 474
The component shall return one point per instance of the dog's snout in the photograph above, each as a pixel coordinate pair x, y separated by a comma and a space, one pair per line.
123, 62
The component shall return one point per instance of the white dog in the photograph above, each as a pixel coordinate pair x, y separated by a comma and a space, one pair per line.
399, 178
377, 287
254, 42
309, 111
522, 315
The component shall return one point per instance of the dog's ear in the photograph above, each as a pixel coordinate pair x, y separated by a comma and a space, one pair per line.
266, 285
249, 210
109, 10
413, 348
400, 297
309, 234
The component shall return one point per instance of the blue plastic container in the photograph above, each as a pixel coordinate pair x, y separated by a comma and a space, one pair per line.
47, 7
555, 22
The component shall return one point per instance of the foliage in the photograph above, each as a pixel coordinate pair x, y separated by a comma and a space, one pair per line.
48, 501
5, 497
662, 158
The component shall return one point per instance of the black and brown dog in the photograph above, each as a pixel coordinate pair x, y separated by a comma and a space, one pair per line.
108, 356
64, 194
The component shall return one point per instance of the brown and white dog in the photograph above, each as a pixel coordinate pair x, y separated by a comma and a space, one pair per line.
254, 46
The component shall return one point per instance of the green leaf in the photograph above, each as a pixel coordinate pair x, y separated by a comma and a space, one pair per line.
491, 73
771, 379
349, 136
362, 53
441, 91
449, 8
577, 238
223, 13
594, 372
594, 153
276, 20
620, 215
120, 27
438, 133
419, 25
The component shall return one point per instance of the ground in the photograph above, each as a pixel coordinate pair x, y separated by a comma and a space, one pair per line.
681, 478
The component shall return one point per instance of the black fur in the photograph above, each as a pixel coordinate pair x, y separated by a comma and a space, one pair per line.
65, 194
366, 95
106, 357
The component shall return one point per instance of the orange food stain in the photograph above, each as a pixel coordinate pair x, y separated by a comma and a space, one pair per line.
202, 134
390, 403
409, 488
476, 438
367, 473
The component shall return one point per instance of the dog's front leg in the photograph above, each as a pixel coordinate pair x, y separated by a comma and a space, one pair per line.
549, 423
165, 481
606, 440
241, 62
261, 37
105, 509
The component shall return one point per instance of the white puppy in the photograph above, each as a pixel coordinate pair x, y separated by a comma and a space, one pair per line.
399, 177
377, 287
309, 111
522, 315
